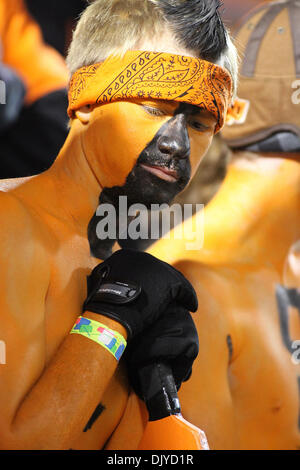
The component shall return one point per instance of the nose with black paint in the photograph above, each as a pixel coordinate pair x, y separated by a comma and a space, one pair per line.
174, 140
167, 156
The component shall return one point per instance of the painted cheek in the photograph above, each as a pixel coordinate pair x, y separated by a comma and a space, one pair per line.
199, 147
116, 137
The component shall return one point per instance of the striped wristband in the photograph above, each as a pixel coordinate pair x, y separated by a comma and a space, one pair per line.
109, 339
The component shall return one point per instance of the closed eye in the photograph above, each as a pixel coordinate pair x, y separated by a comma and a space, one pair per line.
154, 111
198, 126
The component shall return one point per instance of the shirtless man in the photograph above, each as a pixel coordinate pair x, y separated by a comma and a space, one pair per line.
130, 135
245, 388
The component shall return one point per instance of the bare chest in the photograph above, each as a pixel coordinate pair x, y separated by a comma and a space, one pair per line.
265, 378
246, 379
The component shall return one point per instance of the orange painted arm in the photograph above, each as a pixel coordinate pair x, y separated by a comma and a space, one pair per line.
42, 69
56, 410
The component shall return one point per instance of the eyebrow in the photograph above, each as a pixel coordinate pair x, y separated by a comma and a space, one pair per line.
194, 110
199, 111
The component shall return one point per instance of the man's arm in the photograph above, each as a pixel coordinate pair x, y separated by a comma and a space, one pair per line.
54, 412
41, 408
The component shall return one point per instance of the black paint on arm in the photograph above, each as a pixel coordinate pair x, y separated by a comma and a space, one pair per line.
98, 411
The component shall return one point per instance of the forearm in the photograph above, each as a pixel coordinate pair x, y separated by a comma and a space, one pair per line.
56, 409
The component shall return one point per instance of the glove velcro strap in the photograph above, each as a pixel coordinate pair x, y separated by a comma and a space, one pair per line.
109, 339
114, 292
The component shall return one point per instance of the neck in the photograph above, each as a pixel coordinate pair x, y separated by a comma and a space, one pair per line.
255, 217
69, 190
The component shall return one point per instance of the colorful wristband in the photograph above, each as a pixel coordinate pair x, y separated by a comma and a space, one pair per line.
109, 339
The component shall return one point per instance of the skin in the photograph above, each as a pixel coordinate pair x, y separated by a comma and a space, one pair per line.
53, 382
244, 391
175, 139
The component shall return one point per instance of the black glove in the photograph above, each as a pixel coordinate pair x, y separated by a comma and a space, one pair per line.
172, 340
135, 289
13, 89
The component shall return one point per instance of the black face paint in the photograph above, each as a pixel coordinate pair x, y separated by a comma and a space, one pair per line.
170, 149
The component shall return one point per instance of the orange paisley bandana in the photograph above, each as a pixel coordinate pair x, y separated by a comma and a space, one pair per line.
153, 75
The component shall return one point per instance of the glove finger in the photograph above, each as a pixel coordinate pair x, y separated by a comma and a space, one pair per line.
182, 372
185, 295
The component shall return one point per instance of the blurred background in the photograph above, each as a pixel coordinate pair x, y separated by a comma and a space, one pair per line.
34, 39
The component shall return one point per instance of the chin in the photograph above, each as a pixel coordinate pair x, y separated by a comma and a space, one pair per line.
142, 187
146, 188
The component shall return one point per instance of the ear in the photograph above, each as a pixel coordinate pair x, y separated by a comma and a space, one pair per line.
84, 114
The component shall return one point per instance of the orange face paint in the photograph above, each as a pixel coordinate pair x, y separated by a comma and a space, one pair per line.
153, 75
116, 136
119, 133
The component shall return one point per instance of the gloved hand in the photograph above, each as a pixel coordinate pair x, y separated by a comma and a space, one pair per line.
135, 289
173, 340
12, 93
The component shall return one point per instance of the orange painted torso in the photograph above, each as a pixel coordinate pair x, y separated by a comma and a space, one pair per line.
244, 391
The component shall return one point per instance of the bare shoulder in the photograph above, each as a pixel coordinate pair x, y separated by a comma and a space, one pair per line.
16, 222
21, 243
210, 282
11, 207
